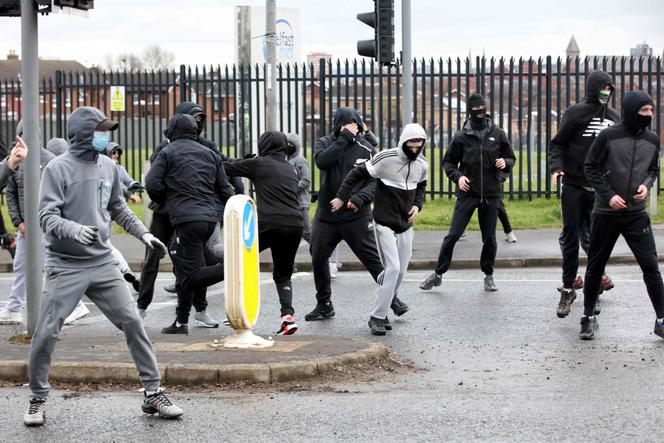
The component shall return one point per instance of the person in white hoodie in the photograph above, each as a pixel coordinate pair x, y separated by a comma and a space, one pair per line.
401, 180
79, 196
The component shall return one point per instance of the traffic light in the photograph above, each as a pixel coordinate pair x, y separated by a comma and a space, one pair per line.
381, 19
12, 8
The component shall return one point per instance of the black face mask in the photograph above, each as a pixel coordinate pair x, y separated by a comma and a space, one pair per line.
409, 152
290, 150
642, 121
475, 115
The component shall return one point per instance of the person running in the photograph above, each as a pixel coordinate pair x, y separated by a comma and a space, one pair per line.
504, 218
79, 196
622, 165
580, 126
401, 175
188, 179
336, 154
280, 218
479, 152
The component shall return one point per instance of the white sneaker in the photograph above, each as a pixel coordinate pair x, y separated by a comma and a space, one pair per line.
142, 313
511, 238
35, 416
79, 312
8, 317
160, 404
204, 319
333, 270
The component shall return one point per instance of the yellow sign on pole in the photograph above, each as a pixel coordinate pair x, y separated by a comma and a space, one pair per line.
117, 99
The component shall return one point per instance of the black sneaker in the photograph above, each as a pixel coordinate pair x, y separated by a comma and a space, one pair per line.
659, 329
35, 415
489, 284
377, 326
388, 325
431, 281
160, 404
588, 327
398, 307
131, 278
176, 328
322, 311
567, 297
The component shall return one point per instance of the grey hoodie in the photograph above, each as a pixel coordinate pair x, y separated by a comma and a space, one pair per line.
81, 187
302, 168
57, 146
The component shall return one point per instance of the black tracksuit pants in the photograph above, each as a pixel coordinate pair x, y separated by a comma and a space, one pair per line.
576, 204
487, 213
161, 228
503, 217
358, 234
636, 230
192, 276
283, 243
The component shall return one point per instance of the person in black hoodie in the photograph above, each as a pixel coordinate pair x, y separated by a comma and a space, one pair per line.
474, 160
188, 179
161, 226
622, 166
336, 155
567, 152
280, 220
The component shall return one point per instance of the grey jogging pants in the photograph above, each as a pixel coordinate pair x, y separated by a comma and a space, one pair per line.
395, 251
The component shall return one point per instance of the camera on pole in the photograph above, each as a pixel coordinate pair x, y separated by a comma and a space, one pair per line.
381, 48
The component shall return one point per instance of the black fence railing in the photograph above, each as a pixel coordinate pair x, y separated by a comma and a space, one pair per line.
526, 97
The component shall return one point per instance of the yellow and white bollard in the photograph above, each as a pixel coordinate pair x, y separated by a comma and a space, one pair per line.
242, 273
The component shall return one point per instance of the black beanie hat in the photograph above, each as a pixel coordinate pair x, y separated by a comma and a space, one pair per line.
474, 100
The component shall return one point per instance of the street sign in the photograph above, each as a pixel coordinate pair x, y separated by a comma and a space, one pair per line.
242, 273
117, 99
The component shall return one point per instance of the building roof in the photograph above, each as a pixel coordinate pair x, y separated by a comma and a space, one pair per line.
573, 46
11, 69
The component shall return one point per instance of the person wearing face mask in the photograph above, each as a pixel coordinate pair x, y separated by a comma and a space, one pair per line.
79, 196
161, 226
280, 218
477, 155
580, 125
622, 166
401, 180
188, 179
301, 166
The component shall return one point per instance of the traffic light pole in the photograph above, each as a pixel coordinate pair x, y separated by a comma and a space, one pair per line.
30, 87
271, 71
406, 62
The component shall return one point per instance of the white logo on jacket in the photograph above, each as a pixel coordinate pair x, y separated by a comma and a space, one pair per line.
596, 126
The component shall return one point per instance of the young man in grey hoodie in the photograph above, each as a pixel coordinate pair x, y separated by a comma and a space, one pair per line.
401, 180
301, 166
79, 196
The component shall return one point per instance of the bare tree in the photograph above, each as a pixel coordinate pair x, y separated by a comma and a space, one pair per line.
126, 61
155, 57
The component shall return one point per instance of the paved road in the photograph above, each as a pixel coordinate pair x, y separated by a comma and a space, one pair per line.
488, 367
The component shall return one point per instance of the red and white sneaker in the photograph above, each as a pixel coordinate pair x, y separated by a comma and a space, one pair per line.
607, 283
288, 326
578, 283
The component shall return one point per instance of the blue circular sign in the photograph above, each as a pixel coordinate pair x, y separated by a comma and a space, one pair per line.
248, 226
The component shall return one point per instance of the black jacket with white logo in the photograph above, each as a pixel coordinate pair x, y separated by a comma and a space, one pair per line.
580, 125
473, 153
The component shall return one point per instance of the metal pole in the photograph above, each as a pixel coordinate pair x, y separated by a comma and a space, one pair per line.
30, 76
271, 68
406, 61
653, 198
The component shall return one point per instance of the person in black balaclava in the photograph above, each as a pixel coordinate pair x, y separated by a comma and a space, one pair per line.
580, 125
188, 180
622, 166
162, 228
479, 152
280, 218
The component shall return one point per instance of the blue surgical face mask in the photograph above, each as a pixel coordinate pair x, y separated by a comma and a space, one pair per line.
100, 141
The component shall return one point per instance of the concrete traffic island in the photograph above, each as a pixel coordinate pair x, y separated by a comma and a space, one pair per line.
192, 360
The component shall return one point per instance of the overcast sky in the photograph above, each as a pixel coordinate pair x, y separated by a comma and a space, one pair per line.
204, 33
